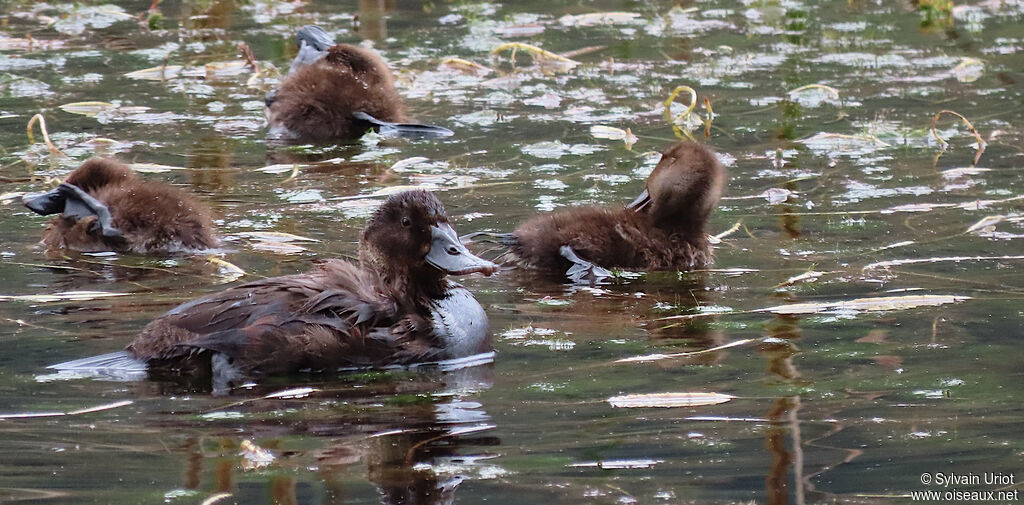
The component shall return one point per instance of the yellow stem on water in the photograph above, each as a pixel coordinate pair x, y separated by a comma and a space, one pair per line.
830, 89
675, 122
46, 136
935, 119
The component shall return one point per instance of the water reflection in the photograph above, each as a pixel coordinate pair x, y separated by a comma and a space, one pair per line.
417, 435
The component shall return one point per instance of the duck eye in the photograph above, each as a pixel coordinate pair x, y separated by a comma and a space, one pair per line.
406, 221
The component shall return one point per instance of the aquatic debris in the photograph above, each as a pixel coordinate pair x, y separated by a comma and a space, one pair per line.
464, 66
275, 235
87, 410
63, 296
659, 356
880, 303
79, 17
956, 259
612, 133
160, 73
276, 242
228, 272
814, 99
969, 70
832, 91
665, 400
46, 135
90, 109
546, 59
985, 222
717, 239
216, 498
28, 43
408, 162
9, 197
599, 18
154, 168
618, 464
848, 144
809, 276
684, 123
254, 456
977, 136
292, 393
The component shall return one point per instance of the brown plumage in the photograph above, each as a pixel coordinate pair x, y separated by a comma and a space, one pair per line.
327, 84
664, 229
105, 206
395, 307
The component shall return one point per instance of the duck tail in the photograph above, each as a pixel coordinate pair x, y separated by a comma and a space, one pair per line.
315, 37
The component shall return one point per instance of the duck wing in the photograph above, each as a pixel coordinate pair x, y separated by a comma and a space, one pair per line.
279, 324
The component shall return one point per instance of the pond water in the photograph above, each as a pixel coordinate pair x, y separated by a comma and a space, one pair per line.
832, 187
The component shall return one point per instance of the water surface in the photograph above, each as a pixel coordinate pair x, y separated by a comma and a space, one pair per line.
843, 405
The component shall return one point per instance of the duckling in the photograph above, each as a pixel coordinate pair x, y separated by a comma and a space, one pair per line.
338, 91
663, 229
396, 307
105, 206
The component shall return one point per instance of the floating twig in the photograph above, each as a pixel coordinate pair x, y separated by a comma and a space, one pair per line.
542, 56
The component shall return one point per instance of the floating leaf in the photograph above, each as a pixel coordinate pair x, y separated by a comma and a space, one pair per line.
867, 304
969, 70
612, 133
669, 400
87, 108
598, 18
64, 296
154, 168
254, 456
985, 223
408, 162
161, 73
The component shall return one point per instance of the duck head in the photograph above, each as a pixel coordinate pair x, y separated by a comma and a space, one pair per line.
87, 215
410, 237
684, 187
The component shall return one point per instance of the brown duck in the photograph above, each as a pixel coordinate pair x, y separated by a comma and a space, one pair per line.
396, 307
105, 206
336, 92
663, 229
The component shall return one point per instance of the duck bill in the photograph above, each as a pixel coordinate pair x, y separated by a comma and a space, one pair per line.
641, 201
51, 202
450, 256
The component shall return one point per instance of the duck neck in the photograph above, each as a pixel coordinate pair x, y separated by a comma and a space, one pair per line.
414, 287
